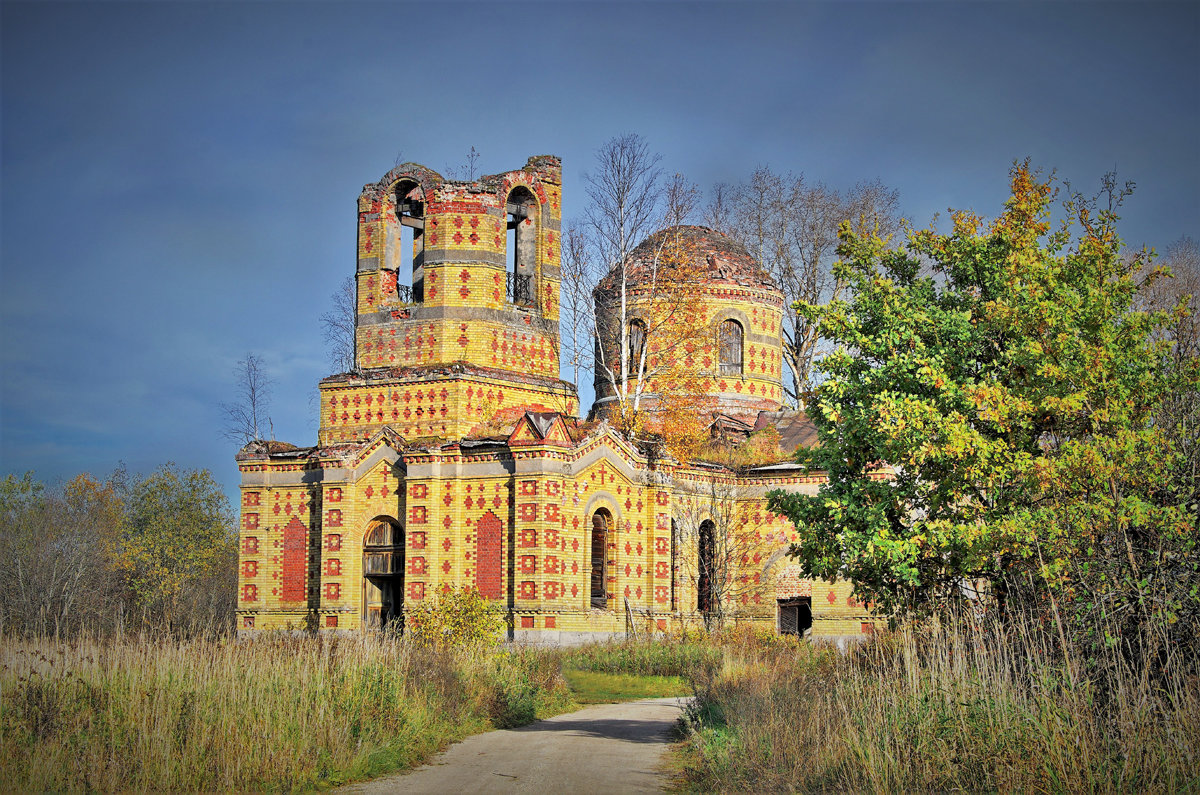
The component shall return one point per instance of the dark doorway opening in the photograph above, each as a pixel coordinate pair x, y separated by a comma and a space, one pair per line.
795, 616
383, 576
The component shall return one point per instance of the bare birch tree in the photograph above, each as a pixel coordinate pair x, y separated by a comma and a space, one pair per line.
625, 191
791, 227
338, 325
577, 324
246, 419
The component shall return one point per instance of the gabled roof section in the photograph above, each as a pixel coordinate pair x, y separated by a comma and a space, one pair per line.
541, 427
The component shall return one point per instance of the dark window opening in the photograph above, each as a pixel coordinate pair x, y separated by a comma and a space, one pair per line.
706, 582
637, 346
521, 212
795, 616
409, 262
730, 339
674, 566
383, 576
600, 524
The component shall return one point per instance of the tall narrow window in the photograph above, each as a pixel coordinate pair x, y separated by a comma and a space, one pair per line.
706, 556
674, 565
730, 339
408, 264
522, 212
600, 525
637, 345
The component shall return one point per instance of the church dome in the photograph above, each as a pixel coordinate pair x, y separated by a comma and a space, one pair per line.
723, 260
739, 352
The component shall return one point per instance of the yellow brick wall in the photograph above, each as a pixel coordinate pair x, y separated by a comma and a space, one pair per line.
545, 516
760, 383
445, 406
266, 513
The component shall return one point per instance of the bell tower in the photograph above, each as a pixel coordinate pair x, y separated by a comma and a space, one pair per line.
457, 304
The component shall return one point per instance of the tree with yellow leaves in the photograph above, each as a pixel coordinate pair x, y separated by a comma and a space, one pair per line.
1014, 394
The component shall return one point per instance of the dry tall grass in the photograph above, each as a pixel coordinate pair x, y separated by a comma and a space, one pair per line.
943, 708
215, 714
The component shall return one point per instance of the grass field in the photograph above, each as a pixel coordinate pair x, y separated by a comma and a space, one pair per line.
941, 708
276, 713
931, 708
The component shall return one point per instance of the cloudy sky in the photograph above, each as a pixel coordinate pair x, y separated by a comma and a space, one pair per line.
178, 179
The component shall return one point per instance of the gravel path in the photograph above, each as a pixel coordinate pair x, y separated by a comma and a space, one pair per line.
607, 748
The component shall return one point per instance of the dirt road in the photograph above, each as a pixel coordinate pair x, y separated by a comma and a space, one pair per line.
608, 748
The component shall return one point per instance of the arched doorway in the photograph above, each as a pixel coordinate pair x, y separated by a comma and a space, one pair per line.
707, 564
601, 522
383, 575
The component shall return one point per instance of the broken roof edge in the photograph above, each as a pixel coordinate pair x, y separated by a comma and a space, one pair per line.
430, 180
449, 369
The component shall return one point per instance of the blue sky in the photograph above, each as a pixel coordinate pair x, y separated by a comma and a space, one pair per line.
178, 180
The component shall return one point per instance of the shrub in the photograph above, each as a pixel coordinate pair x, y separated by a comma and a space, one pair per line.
461, 618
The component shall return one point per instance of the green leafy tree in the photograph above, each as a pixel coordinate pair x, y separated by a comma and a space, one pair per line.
988, 416
179, 549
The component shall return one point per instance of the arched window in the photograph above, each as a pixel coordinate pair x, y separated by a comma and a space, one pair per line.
601, 521
383, 573
408, 262
522, 212
706, 555
730, 339
637, 344
674, 565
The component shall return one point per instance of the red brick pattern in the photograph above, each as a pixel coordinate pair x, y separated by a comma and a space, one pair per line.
295, 560
488, 572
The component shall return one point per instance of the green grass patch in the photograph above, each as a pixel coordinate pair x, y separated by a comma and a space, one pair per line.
596, 687
661, 656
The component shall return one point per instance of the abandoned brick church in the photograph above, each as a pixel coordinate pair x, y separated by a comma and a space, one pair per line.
453, 454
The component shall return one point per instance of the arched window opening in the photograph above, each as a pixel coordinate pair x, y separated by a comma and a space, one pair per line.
383, 575
706, 555
674, 565
730, 339
601, 522
409, 262
521, 212
637, 346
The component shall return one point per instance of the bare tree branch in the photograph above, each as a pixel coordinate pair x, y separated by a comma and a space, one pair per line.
792, 227
338, 326
247, 418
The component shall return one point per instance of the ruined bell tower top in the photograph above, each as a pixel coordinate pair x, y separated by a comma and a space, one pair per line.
459, 276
